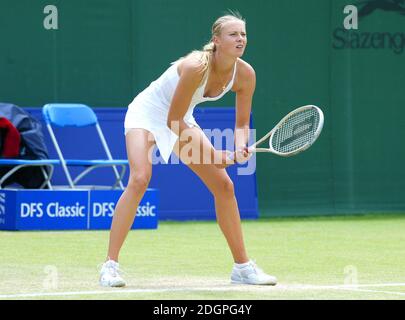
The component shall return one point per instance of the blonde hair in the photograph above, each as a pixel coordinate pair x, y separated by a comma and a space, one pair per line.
204, 56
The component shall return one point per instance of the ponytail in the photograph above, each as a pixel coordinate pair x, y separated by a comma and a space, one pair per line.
203, 57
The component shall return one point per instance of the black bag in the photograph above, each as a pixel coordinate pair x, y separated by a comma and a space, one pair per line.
32, 146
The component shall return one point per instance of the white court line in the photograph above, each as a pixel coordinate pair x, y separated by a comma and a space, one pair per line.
112, 291
370, 285
233, 288
373, 291
76, 293
243, 288
359, 286
353, 286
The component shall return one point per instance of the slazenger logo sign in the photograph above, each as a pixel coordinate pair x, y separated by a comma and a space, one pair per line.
355, 38
2, 203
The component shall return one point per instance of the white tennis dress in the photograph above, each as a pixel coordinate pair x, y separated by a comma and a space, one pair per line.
150, 108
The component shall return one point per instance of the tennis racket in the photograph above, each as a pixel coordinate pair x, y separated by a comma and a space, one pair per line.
296, 132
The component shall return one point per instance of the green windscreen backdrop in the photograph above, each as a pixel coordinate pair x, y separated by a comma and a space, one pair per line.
104, 52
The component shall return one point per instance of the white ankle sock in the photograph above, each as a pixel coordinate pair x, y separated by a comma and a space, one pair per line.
242, 265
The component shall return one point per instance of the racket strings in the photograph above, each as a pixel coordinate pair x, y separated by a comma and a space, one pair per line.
296, 131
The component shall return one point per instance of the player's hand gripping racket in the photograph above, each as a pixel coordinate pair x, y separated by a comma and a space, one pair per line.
296, 132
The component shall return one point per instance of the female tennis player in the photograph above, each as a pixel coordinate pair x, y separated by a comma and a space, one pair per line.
163, 113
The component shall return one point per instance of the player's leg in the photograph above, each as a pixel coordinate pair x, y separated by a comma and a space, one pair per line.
139, 143
221, 187
227, 213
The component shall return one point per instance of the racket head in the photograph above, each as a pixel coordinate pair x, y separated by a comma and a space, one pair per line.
297, 131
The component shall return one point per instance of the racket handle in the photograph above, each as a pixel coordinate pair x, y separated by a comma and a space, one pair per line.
231, 156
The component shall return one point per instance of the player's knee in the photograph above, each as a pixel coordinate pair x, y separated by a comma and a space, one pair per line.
139, 180
224, 188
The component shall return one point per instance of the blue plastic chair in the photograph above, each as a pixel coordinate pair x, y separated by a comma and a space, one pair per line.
18, 164
79, 115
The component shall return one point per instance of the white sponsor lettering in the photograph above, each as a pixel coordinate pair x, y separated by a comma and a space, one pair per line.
2, 203
106, 209
146, 210
31, 210
56, 210
53, 210
103, 209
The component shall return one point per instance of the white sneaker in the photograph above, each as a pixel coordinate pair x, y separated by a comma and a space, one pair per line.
110, 275
250, 273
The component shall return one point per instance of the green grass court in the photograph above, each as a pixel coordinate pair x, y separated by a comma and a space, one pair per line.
356, 257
